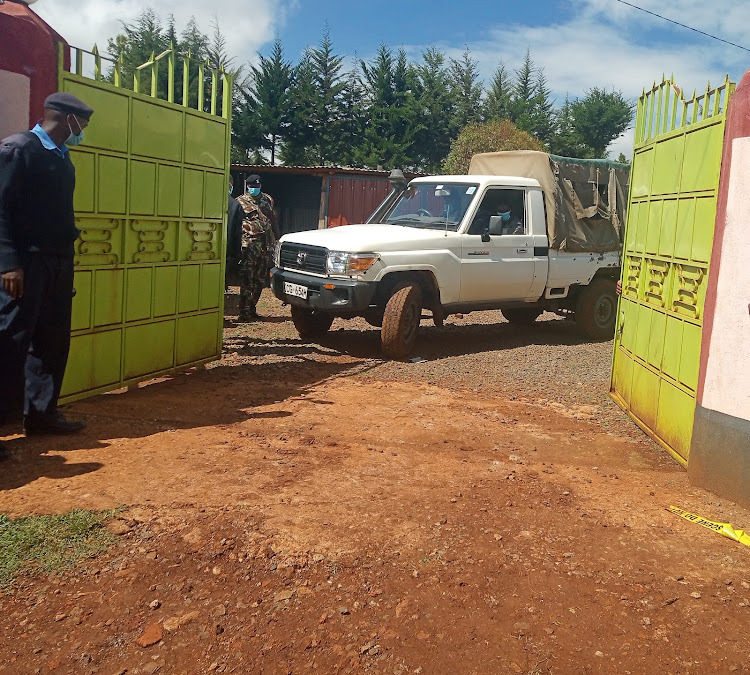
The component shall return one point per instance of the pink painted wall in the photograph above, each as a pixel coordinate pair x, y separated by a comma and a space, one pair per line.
724, 384
28, 46
14, 103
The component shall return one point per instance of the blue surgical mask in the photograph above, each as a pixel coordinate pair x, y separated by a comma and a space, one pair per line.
230, 192
74, 139
253, 192
505, 216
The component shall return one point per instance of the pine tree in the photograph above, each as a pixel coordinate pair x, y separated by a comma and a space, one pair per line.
466, 90
389, 103
268, 98
497, 103
135, 45
300, 134
530, 106
521, 99
436, 113
328, 110
542, 110
352, 124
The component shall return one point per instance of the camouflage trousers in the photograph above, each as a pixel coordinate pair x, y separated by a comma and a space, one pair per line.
253, 274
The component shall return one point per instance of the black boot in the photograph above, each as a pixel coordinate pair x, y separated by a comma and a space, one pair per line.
54, 423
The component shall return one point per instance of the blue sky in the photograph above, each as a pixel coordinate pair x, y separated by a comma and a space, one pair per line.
579, 43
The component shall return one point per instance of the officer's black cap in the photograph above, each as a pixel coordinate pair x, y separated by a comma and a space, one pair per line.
252, 178
66, 103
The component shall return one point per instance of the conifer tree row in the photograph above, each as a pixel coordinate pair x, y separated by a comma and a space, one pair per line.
386, 111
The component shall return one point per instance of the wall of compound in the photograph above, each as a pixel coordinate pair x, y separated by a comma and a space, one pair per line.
720, 452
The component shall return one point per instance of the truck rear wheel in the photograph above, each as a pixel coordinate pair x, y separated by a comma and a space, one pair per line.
310, 323
403, 312
523, 316
596, 309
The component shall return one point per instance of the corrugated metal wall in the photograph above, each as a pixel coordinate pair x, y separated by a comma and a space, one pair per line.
352, 199
297, 198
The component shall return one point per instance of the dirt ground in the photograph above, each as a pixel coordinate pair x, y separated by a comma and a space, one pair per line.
298, 508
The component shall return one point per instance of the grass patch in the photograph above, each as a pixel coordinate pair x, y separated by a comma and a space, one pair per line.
50, 544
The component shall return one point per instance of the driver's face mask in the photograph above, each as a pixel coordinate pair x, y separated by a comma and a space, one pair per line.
505, 216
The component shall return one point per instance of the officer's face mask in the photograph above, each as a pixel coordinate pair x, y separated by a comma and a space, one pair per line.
74, 138
505, 216
253, 191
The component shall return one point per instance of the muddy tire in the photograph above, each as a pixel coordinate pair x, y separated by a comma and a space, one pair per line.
309, 323
596, 309
522, 316
403, 312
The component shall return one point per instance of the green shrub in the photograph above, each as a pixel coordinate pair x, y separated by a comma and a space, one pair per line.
491, 136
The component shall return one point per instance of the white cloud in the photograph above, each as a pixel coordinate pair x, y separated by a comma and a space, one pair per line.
247, 24
603, 44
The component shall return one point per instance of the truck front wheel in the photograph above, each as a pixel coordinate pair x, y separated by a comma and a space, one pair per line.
310, 323
523, 316
596, 309
403, 312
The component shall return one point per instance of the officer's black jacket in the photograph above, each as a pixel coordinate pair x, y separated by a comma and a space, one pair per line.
235, 214
36, 200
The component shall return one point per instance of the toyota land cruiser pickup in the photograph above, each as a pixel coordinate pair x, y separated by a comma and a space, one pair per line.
440, 245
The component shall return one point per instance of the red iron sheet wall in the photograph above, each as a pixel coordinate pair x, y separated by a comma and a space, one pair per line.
351, 200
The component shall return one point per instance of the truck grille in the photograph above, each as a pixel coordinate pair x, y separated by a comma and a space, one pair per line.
303, 258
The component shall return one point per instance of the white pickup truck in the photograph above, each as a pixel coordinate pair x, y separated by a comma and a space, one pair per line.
439, 244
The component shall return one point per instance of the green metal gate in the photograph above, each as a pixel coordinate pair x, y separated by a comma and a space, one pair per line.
668, 240
150, 201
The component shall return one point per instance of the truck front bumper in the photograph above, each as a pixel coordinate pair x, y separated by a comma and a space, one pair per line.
340, 296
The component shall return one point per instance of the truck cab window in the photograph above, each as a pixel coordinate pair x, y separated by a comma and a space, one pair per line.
508, 205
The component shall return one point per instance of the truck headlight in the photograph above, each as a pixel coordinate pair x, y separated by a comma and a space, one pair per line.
338, 262
277, 254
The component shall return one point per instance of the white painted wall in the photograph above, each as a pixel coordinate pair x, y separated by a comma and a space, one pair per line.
727, 383
14, 103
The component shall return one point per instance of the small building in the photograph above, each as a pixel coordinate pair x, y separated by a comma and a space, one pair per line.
318, 197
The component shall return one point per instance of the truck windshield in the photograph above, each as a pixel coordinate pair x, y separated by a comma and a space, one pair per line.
432, 205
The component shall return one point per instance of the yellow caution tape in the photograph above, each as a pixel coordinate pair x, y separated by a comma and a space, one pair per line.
722, 528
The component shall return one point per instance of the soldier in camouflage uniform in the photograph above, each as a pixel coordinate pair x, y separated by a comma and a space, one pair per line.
259, 229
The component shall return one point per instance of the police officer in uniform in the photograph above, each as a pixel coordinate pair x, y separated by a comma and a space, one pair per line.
259, 231
37, 233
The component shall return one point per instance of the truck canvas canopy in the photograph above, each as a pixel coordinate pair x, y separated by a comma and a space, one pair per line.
585, 199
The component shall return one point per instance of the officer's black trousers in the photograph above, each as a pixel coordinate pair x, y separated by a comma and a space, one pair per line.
35, 336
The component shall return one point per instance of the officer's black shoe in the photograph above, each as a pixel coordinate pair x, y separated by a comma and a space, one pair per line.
4, 452
51, 424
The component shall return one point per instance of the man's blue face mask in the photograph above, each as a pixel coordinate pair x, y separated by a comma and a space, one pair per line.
253, 191
505, 216
74, 139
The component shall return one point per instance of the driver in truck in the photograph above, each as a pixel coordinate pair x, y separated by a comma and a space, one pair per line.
511, 224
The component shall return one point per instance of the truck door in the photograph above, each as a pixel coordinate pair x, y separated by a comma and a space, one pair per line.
503, 267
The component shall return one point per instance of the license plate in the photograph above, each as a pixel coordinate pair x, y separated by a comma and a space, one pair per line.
295, 290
